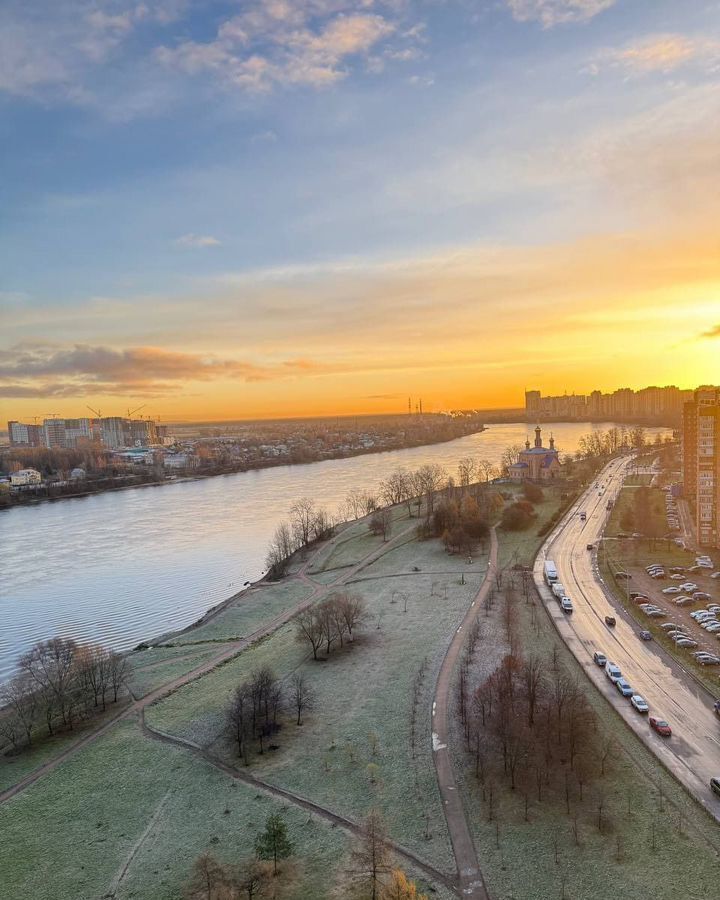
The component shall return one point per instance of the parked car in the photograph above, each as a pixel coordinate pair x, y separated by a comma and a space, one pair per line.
566, 604
689, 587
678, 576
715, 785
624, 575
599, 658
667, 626
683, 601
686, 643
672, 590
624, 687
715, 575
590, 547
610, 621
701, 595
612, 671
716, 708
640, 703
645, 635
660, 725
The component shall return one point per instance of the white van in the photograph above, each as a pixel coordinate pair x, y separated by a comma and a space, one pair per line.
613, 672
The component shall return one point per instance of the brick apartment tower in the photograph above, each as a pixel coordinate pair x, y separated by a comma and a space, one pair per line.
701, 462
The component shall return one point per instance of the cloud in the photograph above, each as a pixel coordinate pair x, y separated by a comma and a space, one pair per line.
557, 12
52, 52
660, 53
46, 370
714, 332
197, 240
277, 43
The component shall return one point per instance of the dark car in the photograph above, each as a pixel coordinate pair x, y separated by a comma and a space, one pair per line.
645, 636
717, 708
624, 575
634, 594
590, 547
715, 785
660, 725
610, 620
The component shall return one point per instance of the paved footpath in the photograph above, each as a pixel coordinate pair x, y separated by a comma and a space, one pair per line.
470, 880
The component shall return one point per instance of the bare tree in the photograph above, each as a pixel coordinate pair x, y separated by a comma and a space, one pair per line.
310, 628
238, 717
118, 673
372, 856
353, 610
381, 522
303, 696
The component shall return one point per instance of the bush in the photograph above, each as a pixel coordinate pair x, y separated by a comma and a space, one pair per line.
518, 517
533, 492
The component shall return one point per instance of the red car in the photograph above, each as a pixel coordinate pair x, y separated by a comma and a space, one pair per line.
660, 725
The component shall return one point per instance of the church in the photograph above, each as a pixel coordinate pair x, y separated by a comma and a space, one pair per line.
536, 463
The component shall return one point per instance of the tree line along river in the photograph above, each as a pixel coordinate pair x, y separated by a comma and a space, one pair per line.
126, 566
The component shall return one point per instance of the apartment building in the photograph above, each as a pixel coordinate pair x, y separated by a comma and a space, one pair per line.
651, 404
701, 462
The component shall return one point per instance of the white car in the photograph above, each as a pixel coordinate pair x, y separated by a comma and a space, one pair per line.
673, 590
689, 587
639, 703
677, 577
712, 628
715, 575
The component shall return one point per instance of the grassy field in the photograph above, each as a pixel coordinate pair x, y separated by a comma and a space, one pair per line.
95, 808
245, 614
520, 547
364, 691
146, 676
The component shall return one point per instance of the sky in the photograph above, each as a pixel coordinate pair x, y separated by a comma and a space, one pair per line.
258, 208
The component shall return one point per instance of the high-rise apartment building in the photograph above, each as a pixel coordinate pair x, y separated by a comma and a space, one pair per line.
654, 405
701, 462
22, 435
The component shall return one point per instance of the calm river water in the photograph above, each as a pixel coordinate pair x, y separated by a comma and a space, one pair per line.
126, 566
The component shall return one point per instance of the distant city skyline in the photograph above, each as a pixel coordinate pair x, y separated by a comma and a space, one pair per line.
278, 209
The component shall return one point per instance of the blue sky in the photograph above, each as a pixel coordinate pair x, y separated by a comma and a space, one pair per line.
161, 157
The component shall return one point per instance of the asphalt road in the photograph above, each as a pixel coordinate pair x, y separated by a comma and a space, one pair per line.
692, 754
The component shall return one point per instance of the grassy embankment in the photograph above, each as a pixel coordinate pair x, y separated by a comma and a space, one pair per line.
656, 842
355, 750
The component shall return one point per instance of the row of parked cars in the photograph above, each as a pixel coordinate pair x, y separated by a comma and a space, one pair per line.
671, 513
637, 701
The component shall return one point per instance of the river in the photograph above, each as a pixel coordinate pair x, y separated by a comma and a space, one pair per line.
124, 566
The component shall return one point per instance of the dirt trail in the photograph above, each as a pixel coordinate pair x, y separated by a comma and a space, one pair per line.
470, 877
231, 649
348, 824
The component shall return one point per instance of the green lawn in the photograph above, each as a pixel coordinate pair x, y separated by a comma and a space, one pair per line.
365, 689
95, 808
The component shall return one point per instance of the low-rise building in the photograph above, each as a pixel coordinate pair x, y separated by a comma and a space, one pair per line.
24, 477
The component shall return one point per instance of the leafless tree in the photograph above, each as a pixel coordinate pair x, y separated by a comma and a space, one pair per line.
310, 628
381, 522
372, 856
302, 694
238, 717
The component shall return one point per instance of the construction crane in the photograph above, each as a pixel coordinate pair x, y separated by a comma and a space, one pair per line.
96, 411
133, 411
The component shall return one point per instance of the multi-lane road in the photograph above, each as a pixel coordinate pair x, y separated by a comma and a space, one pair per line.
693, 751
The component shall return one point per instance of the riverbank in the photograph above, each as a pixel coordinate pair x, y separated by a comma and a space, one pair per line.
35, 495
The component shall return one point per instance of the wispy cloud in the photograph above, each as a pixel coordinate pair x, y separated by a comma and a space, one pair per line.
660, 53
713, 332
46, 370
557, 12
278, 43
197, 240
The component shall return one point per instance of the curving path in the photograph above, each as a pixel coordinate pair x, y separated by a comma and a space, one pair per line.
230, 650
470, 877
280, 793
